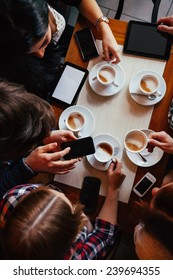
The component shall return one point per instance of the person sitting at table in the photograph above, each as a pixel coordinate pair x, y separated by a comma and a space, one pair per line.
153, 235
41, 223
165, 24
27, 143
163, 141
30, 30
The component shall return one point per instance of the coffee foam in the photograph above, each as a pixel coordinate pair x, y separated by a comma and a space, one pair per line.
104, 152
75, 121
135, 142
106, 75
149, 84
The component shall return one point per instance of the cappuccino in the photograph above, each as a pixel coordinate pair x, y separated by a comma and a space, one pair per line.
135, 141
104, 152
106, 74
149, 84
75, 121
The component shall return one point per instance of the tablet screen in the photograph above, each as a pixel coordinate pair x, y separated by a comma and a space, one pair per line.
145, 40
69, 84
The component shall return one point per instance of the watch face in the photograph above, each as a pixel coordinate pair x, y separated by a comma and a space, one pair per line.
105, 19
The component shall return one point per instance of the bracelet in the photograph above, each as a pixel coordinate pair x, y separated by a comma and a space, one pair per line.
100, 19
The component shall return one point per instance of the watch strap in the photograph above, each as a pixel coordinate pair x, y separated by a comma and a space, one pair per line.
100, 19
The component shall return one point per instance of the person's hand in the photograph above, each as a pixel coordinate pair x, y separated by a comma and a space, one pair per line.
115, 175
47, 159
165, 24
162, 140
59, 136
109, 44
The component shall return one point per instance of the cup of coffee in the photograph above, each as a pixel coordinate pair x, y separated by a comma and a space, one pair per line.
75, 122
106, 74
104, 152
149, 84
135, 141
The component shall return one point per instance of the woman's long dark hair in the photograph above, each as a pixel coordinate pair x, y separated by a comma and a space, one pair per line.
23, 23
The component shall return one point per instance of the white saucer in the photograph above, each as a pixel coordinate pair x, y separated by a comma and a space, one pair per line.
97, 139
152, 158
143, 100
89, 119
106, 90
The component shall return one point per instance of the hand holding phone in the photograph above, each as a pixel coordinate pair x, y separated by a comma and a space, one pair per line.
79, 148
90, 193
146, 182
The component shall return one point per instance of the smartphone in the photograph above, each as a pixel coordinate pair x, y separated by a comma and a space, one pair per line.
86, 43
146, 182
89, 193
79, 148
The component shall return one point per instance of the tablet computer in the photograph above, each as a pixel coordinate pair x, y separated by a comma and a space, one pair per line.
143, 39
68, 84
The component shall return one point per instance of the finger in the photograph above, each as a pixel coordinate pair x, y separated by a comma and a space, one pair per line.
68, 135
47, 148
106, 53
165, 28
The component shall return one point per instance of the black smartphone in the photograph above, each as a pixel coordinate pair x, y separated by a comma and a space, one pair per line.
86, 43
89, 193
79, 148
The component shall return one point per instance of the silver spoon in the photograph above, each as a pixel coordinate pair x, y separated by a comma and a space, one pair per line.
150, 96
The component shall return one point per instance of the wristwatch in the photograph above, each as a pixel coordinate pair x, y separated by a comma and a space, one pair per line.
100, 19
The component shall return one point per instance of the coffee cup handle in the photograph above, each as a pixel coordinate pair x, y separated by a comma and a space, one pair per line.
77, 134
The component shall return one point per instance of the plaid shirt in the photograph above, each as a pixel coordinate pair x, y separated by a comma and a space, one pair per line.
87, 246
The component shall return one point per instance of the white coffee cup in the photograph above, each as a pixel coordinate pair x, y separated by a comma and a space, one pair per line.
135, 141
106, 74
149, 84
104, 152
75, 122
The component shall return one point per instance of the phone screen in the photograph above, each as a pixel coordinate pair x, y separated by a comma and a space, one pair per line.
79, 148
90, 193
86, 43
143, 185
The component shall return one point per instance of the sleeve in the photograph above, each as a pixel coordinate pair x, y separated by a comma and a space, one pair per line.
96, 244
12, 174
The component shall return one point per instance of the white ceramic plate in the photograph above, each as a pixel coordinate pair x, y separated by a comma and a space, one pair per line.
97, 139
89, 119
152, 158
143, 100
106, 90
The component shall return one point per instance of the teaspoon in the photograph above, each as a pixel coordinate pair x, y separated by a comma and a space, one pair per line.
150, 96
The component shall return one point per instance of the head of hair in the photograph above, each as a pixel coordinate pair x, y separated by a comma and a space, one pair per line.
42, 226
25, 120
157, 218
22, 24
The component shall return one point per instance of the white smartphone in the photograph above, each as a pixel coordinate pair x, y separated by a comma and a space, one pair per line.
146, 182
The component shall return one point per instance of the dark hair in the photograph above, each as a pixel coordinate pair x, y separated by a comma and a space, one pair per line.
42, 226
25, 120
22, 24
158, 217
